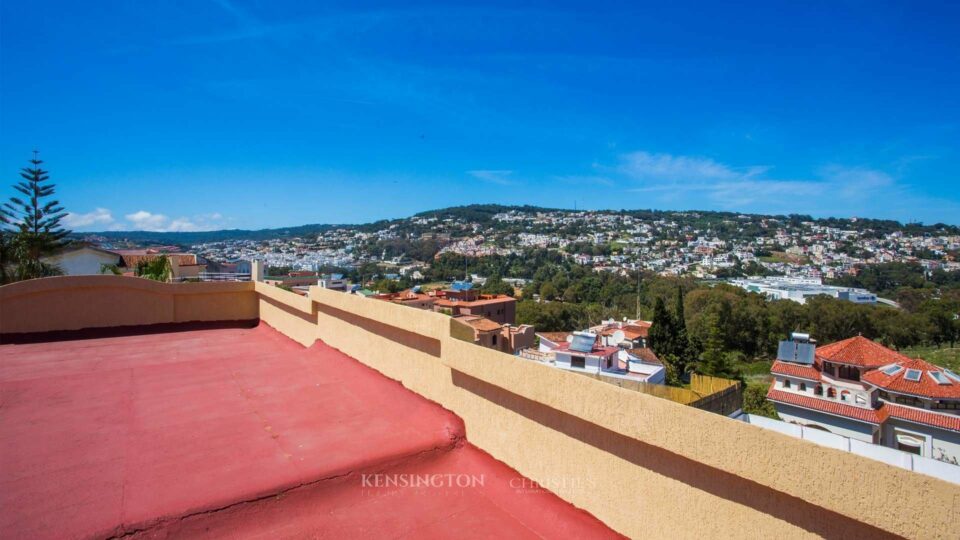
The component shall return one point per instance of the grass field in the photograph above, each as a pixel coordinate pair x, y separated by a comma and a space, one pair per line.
784, 257
944, 356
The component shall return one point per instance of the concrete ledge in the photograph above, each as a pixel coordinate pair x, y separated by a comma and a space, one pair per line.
79, 302
655, 468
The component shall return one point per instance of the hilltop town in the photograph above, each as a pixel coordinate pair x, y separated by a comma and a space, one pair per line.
700, 244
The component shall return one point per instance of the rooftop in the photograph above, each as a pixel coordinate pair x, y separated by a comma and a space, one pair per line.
235, 430
915, 377
859, 351
264, 416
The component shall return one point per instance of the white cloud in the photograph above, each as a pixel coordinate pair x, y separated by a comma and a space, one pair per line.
147, 221
667, 167
99, 217
494, 176
698, 182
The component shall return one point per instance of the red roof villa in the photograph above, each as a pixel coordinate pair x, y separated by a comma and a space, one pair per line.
860, 389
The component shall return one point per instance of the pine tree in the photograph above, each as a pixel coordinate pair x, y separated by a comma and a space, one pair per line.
36, 230
6, 248
714, 361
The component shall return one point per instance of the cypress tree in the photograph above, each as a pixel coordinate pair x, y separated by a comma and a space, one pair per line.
681, 345
662, 330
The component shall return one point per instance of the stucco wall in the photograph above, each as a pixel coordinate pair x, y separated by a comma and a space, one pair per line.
78, 302
644, 465
834, 424
940, 442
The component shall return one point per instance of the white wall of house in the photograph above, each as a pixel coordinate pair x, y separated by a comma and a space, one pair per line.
936, 443
591, 363
82, 262
846, 427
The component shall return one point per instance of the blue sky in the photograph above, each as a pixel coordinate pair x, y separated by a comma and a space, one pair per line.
213, 114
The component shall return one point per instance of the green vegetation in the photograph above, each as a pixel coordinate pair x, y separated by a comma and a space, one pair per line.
755, 401
30, 227
948, 357
157, 269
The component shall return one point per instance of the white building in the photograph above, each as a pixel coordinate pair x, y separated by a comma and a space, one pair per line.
800, 289
862, 390
587, 352
83, 261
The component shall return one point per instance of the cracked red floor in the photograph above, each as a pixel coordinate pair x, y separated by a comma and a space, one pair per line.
241, 432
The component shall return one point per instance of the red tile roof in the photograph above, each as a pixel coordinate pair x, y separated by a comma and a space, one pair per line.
795, 370
632, 331
920, 416
482, 301
646, 355
859, 351
554, 337
481, 324
925, 387
871, 416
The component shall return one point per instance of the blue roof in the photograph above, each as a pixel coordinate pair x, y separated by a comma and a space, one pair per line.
461, 286
336, 276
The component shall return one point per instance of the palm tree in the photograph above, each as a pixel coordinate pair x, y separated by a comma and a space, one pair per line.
157, 269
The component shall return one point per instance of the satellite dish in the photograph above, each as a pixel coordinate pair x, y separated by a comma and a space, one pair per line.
618, 337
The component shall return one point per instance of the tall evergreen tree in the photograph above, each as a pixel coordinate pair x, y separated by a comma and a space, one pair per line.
714, 361
6, 248
35, 223
681, 345
662, 330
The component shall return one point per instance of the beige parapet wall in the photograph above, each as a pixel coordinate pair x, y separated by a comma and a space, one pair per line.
646, 466
78, 302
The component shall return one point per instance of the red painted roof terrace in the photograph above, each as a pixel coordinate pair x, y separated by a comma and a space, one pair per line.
240, 432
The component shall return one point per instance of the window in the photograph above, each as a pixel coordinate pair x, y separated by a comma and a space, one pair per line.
948, 405
892, 370
908, 400
494, 339
860, 399
578, 362
786, 383
844, 395
913, 375
910, 443
831, 392
850, 373
818, 391
803, 387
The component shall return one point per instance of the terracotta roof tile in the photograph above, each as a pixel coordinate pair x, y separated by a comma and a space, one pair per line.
920, 416
795, 370
872, 416
482, 324
646, 355
859, 351
925, 387
554, 337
